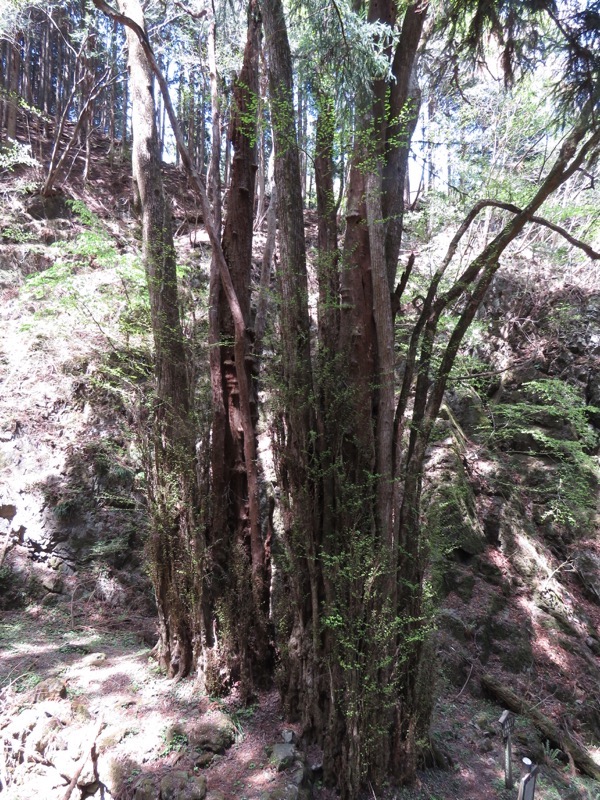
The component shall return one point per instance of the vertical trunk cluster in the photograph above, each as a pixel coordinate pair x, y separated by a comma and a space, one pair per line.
354, 425
349, 632
174, 544
240, 553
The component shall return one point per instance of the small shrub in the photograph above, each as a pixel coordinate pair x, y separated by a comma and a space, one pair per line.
67, 509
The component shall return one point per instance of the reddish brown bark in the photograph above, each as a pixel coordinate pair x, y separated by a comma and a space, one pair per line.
244, 524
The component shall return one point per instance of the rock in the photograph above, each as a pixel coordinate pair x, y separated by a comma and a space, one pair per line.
65, 764
300, 774
215, 732
450, 621
113, 773
8, 510
468, 411
22, 725
288, 736
50, 689
53, 207
41, 735
54, 707
282, 756
178, 785
94, 660
532, 742
111, 736
587, 565
204, 760
43, 781
593, 644
146, 790
53, 583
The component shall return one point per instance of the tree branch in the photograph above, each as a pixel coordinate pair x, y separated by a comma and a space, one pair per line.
190, 12
589, 251
236, 311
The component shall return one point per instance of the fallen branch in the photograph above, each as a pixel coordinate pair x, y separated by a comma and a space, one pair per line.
560, 738
87, 754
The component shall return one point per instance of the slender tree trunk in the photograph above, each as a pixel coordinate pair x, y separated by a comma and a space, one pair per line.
304, 690
244, 528
174, 541
13, 88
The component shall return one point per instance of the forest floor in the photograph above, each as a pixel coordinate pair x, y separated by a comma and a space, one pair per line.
90, 640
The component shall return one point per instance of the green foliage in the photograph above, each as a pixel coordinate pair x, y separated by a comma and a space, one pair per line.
67, 509
16, 233
175, 740
552, 754
552, 421
16, 155
548, 402
56, 280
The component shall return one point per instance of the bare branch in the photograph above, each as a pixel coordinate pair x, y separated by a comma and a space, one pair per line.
589, 251
189, 12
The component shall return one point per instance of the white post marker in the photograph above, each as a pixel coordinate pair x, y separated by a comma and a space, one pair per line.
507, 723
527, 785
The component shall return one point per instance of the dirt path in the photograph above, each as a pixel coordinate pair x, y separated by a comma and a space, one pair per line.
67, 665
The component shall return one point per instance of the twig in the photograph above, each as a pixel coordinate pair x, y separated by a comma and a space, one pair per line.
8, 683
468, 679
489, 373
83, 760
589, 251
567, 563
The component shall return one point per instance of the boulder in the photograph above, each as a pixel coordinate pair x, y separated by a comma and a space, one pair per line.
55, 206
587, 566
50, 689
146, 790
178, 785
283, 755
215, 732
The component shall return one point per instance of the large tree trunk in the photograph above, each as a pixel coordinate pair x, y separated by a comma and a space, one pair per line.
246, 560
173, 541
336, 462
300, 602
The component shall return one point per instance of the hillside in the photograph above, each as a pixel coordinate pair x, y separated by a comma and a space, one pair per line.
511, 509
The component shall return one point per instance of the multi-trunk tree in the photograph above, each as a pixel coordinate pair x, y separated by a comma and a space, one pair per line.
355, 419
359, 374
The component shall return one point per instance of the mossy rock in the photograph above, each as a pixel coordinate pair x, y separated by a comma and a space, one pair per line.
55, 206
146, 790
450, 621
587, 566
468, 412
178, 785
530, 739
516, 657
214, 733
